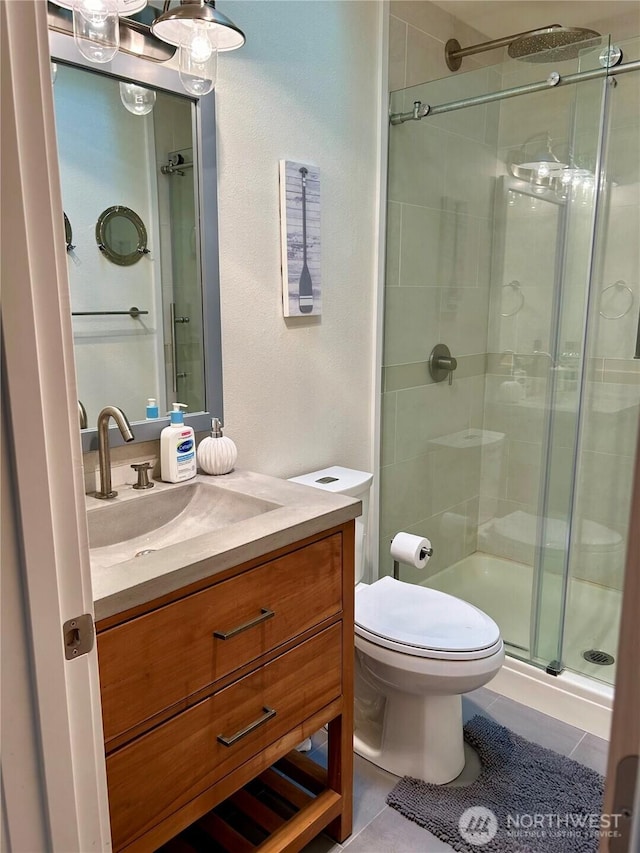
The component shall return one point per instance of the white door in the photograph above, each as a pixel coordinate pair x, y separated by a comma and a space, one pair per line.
62, 773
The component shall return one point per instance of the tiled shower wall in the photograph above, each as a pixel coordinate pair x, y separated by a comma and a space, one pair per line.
440, 223
437, 290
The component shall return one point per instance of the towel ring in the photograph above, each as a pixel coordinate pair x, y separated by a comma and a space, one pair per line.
515, 284
621, 285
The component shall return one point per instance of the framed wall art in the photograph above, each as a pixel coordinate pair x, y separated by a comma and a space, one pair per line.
300, 229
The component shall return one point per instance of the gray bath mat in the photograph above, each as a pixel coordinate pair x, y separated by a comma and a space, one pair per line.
527, 799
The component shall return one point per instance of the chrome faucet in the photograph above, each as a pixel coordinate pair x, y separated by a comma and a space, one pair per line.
104, 453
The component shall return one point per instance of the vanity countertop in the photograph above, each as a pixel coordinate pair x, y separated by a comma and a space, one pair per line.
300, 511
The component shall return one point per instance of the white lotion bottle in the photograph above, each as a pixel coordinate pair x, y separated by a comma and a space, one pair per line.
177, 448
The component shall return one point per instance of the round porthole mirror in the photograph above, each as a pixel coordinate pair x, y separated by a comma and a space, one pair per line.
121, 235
68, 234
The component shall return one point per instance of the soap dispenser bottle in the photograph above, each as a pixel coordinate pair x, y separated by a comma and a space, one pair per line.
217, 453
177, 448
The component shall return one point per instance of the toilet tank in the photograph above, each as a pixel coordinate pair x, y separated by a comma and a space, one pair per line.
346, 481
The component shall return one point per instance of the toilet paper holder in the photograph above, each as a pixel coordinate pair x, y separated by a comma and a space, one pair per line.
425, 552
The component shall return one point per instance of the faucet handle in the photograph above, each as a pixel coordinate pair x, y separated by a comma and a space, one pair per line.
142, 469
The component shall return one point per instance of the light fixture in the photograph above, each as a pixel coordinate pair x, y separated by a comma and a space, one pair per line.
96, 25
125, 7
96, 29
195, 27
198, 61
536, 163
137, 99
199, 31
538, 157
175, 25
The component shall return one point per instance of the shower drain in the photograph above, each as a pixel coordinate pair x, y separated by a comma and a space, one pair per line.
599, 657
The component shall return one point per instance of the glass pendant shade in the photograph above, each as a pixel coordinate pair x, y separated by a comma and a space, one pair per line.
125, 7
198, 60
175, 25
96, 29
138, 100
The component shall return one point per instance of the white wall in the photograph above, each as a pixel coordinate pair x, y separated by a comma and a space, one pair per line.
298, 392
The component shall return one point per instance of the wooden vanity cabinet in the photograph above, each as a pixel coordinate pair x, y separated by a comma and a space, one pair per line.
207, 687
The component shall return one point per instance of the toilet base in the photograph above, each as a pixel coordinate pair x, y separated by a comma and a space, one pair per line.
412, 735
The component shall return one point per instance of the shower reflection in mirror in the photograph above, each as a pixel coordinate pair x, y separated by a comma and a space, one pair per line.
143, 219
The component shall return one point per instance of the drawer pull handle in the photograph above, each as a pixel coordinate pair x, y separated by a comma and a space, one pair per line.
269, 714
265, 614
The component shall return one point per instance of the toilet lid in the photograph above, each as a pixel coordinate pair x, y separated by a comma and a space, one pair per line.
395, 613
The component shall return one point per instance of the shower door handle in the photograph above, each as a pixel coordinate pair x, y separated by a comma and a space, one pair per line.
174, 348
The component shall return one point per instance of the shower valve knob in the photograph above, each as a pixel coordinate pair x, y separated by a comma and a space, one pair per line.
442, 363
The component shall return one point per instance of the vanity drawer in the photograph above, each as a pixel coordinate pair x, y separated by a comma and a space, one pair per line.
159, 659
185, 753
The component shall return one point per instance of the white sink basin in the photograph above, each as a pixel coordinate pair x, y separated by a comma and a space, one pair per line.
151, 520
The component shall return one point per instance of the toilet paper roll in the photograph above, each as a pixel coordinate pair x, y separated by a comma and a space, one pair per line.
414, 550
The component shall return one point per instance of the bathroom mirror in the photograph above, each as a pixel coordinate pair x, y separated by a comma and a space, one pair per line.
121, 235
118, 188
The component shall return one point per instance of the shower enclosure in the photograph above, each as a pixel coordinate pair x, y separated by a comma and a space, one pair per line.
513, 238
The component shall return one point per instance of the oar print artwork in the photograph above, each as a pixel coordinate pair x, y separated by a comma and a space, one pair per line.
300, 229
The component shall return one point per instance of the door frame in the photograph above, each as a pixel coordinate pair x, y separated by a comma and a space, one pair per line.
620, 791
45, 456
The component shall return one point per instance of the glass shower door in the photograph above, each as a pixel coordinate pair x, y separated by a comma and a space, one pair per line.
186, 376
569, 372
491, 221
610, 405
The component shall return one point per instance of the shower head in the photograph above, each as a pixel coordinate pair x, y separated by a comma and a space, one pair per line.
552, 44
547, 44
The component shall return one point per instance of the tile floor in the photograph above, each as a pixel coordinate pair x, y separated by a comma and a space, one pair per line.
377, 828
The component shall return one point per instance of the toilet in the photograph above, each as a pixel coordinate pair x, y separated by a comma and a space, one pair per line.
417, 651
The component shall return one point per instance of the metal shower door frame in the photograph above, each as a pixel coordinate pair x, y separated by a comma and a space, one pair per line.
556, 665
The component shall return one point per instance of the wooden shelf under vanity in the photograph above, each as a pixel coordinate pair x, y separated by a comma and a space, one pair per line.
279, 810
207, 690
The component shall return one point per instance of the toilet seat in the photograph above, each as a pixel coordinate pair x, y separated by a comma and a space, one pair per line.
423, 622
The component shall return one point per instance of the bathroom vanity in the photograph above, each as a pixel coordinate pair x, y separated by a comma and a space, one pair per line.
218, 655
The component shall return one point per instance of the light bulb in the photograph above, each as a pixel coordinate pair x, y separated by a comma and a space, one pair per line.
96, 29
198, 60
543, 170
137, 99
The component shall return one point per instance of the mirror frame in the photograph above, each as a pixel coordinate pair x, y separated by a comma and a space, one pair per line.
133, 69
103, 244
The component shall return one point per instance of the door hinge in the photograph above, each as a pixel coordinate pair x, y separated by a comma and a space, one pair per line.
78, 635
